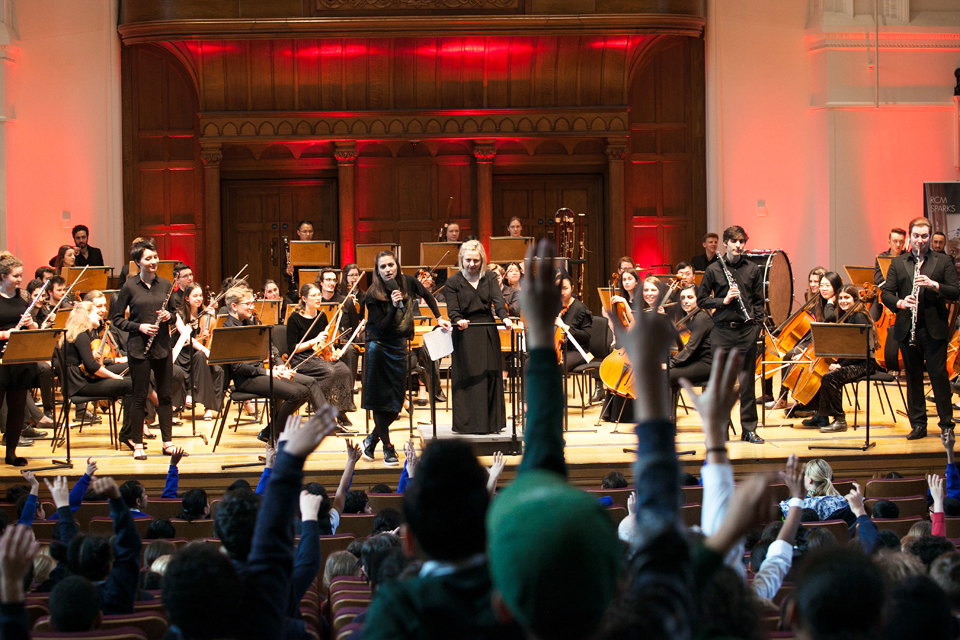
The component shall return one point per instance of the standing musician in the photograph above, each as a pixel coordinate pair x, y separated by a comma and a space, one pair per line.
251, 377
292, 273
391, 304
917, 288
206, 380
710, 242
473, 295
695, 360
307, 335
574, 319
88, 375
147, 297
896, 240
845, 370
16, 380
734, 289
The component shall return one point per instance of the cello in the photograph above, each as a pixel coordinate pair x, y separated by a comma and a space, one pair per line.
788, 336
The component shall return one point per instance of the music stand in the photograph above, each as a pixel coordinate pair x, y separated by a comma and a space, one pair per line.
859, 275
268, 311
94, 278
884, 262
232, 345
505, 249
30, 347
832, 340
312, 253
367, 255
432, 253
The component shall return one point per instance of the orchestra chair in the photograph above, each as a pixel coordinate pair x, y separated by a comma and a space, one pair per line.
239, 397
838, 528
909, 506
378, 501
153, 625
881, 380
59, 433
895, 487
692, 494
600, 340
690, 513
900, 526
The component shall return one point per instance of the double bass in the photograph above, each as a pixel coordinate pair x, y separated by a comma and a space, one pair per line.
616, 372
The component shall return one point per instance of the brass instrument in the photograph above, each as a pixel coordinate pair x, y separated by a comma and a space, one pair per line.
915, 292
733, 283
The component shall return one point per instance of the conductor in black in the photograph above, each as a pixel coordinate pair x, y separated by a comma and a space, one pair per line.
919, 284
733, 287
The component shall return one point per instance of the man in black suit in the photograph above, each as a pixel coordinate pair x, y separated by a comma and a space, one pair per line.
86, 255
926, 341
710, 242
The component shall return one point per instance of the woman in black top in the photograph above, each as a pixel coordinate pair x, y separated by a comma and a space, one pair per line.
695, 360
473, 294
206, 380
391, 303
147, 298
574, 320
94, 378
15, 379
510, 288
302, 340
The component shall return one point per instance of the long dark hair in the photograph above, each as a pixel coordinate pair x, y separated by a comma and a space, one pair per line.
636, 276
837, 283
58, 264
344, 287
185, 306
378, 288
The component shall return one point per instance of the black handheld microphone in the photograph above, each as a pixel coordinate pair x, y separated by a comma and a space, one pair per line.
391, 287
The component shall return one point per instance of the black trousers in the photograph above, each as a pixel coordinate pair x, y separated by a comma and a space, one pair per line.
696, 372
744, 338
934, 354
294, 394
351, 358
381, 427
831, 388
16, 400
140, 370
46, 385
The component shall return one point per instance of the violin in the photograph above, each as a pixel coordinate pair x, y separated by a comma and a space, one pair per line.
105, 346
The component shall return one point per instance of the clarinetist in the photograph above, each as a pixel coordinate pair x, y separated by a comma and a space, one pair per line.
919, 283
734, 288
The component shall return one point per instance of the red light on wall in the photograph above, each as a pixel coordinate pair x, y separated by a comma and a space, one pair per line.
614, 42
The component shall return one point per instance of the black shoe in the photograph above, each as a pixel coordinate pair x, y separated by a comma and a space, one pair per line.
917, 433
369, 448
48, 413
765, 399
838, 426
33, 433
23, 442
751, 437
597, 395
264, 436
440, 396
390, 457
16, 462
343, 420
816, 421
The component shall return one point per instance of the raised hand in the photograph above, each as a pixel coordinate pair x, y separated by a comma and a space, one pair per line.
32, 481
353, 452
793, 477
948, 440
59, 490
17, 549
106, 487
91, 467
855, 500
270, 455
632, 503
304, 441
494, 472
540, 294
749, 506
176, 456
938, 490
410, 452
309, 506
716, 401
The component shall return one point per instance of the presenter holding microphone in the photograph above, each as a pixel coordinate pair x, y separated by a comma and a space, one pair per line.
478, 398
391, 303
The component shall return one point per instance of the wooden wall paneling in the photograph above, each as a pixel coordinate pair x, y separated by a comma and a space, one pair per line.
568, 71
404, 75
520, 65
212, 72
545, 71
306, 55
450, 69
261, 62
285, 68
379, 61
591, 61
474, 64
331, 75
355, 60
497, 72
615, 51
426, 81
235, 75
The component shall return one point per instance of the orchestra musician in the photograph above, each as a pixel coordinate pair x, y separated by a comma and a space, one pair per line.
686, 274
147, 299
66, 257
16, 380
510, 288
813, 282
86, 255
271, 291
695, 359
845, 370
391, 304
738, 306
574, 319
473, 296
896, 239
353, 313
294, 389
206, 379
307, 335
624, 263
919, 297
938, 242
452, 233
182, 276
652, 290
514, 227
291, 273
710, 243
88, 375
629, 279
429, 283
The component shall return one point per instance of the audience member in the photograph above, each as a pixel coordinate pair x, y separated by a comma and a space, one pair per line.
928, 548
387, 521
821, 495
160, 529
195, 505
614, 480
357, 502
945, 571
897, 565
75, 605
339, 564
884, 509
918, 608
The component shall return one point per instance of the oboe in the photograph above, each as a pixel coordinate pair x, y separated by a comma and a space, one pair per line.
733, 283
26, 314
146, 349
915, 292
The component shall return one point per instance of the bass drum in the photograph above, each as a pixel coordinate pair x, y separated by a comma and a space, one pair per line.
777, 283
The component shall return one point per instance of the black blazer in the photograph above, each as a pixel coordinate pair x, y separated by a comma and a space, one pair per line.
933, 304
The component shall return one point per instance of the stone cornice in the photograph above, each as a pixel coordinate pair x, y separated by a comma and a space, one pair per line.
488, 124
403, 26
899, 40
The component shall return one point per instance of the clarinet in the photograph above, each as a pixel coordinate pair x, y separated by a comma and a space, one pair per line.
26, 314
915, 292
733, 283
146, 349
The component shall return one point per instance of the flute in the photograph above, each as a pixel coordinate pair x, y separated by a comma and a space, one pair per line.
26, 314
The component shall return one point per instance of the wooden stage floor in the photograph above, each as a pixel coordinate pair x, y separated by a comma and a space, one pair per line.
590, 455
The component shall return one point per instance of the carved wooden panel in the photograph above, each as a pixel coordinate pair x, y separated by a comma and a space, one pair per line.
257, 213
666, 168
162, 171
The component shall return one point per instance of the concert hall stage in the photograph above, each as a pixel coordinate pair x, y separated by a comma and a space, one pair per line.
590, 454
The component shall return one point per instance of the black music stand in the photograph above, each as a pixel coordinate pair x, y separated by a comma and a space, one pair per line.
244, 344
845, 341
30, 347
434, 385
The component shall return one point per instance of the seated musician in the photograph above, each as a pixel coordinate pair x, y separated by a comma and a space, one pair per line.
845, 370
294, 389
429, 283
329, 288
312, 352
651, 292
629, 280
694, 361
86, 375
271, 291
353, 313
686, 273
56, 291
511, 288
574, 321
206, 380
